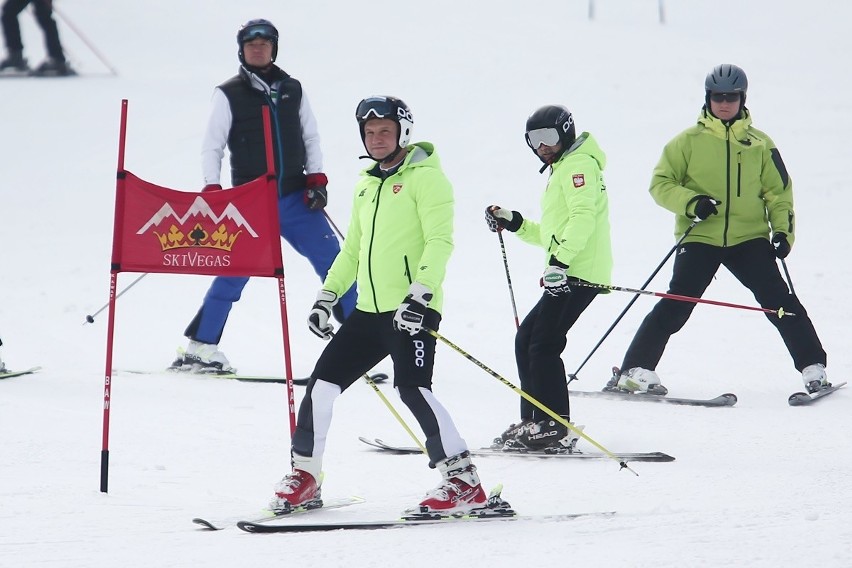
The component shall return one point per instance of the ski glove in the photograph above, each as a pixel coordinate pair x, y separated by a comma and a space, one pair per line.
499, 219
705, 206
316, 192
410, 313
318, 318
211, 187
555, 279
782, 246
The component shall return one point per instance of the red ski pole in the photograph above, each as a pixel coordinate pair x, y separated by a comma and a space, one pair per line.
779, 312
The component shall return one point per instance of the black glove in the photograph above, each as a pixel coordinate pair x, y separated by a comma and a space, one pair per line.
316, 193
782, 246
705, 206
499, 219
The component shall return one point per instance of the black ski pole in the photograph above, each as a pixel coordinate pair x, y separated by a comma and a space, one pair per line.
573, 376
508, 278
787, 275
91, 317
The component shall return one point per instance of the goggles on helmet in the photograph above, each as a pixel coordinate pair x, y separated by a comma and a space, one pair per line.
259, 31
379, 107
539, 136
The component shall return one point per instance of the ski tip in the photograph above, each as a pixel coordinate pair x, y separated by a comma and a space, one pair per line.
379, 377
205, 524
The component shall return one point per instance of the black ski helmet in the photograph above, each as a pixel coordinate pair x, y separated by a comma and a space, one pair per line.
555, 117
726, 78
391, 108
254, 29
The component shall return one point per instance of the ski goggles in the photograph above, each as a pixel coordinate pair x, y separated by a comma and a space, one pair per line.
725, 97
259, 31
539, 136
379, 107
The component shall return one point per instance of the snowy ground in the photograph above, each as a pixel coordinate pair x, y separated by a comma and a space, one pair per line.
753, 485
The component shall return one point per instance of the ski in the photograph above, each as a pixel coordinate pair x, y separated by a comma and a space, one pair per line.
576, 454
266, 515
252, 527
804, 399
300, 381
10, 374
727, 399
375, 377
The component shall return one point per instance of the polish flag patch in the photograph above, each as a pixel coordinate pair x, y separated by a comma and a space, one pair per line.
579, 180
397, 187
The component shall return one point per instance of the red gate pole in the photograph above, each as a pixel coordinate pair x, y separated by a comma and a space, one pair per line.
282, 294
115, 268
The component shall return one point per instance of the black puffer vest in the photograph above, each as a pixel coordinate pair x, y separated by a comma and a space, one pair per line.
245, 140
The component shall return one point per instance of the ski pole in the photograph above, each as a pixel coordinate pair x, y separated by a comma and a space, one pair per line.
787, 274
396, 415
508, 278
573, 376
330, 222
91, 317
780, 312
527, 397
84, 39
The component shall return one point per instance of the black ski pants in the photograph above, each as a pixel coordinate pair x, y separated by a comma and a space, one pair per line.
539, 344
364, 340
44, 17
753, 264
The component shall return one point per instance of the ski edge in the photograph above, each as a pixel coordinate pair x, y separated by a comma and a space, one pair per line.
265, 515
257, 528
723, 400
12, 374
805, 399
626, 456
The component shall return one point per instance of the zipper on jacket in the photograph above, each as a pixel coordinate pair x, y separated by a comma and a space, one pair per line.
370, 248
407, 269
273, 112
727, 183
739, 172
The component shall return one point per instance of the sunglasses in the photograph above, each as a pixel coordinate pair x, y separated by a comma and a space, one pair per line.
539, 136
259, 31
725, 97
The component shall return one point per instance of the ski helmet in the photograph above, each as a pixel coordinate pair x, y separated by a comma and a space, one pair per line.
254, 29
726, 78
391, 108
550, 125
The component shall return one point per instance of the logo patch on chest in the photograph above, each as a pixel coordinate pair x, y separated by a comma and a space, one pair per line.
579, 180
397, 187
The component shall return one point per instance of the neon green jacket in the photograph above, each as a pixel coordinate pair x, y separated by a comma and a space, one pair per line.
574, 223
737, 165
400, 231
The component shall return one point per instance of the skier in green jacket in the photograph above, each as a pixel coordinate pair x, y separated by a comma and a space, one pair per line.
730, 176
397, 247
575, 233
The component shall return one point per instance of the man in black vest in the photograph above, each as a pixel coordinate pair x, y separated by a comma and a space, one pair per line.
237, 121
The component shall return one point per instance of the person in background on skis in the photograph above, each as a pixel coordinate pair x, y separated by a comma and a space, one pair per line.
397, 247
2, 364
236, 120
575, 233
730, 176
55, 65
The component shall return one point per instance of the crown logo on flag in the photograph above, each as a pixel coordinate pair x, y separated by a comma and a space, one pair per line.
198, 227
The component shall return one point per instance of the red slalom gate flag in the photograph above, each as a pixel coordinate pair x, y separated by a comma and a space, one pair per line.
231, 232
